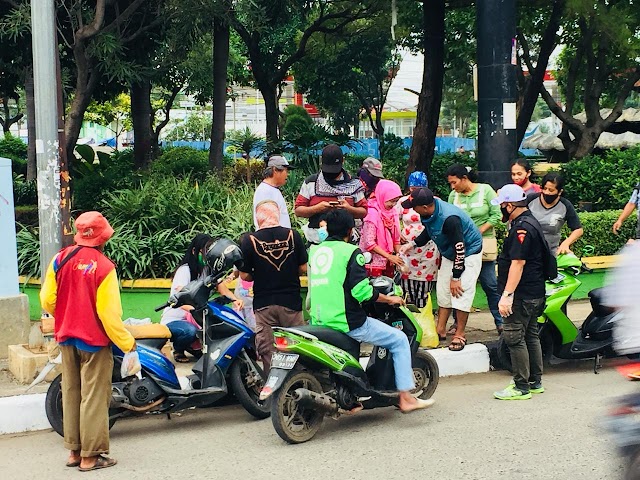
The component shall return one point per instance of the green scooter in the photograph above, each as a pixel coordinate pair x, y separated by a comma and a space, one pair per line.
559, 336
316, 371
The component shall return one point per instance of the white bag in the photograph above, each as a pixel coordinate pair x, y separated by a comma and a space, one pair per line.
130, 364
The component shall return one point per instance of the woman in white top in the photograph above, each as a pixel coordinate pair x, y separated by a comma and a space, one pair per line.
193, 266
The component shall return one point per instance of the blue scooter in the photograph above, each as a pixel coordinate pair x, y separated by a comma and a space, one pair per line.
228, 358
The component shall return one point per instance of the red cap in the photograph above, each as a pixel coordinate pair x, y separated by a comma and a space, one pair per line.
93, 229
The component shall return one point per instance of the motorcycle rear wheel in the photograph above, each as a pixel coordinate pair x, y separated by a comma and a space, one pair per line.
246, 392
426, 375
295, 424
53, 407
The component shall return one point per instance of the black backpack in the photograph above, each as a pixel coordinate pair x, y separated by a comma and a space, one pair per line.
549, 261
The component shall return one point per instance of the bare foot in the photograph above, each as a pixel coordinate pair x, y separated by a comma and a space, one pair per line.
409, 403
74, 458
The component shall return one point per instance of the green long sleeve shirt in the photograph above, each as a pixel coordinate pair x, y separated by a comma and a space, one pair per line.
477, 205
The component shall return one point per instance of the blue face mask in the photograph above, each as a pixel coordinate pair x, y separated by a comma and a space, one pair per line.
322, 234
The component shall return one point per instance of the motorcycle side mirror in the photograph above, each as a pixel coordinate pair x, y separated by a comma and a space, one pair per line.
367, 257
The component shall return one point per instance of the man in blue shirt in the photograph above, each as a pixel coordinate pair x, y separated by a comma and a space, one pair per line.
460, 243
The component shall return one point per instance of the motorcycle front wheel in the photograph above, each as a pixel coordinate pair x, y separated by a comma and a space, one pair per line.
292, 422
53, 407
426, 375
247, 380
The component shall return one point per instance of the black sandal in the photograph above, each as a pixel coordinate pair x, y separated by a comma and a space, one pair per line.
180, 357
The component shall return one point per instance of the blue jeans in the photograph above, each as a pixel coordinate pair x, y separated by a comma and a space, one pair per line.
489, 283
183, 334
382, 335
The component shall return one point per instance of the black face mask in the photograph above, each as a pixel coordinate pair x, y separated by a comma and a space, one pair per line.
505, 214
550, 198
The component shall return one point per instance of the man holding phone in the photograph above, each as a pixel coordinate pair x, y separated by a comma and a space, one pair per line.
330, 189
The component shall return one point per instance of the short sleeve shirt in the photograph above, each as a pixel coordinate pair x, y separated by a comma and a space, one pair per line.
553, 219
273, 257
523, 243
269, 192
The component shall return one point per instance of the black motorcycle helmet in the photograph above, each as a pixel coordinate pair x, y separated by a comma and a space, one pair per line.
222, 255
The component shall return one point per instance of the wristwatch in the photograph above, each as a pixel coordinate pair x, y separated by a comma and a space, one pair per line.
507, 294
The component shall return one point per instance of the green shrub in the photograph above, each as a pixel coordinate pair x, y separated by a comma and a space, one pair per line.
182, 162
15, 150
237, 173
597, 232
27, 215
91, 184
28, 243
24, 192
604, 180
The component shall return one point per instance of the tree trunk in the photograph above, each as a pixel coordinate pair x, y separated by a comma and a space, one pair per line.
533, 85
379, 131
272, 112
86, 81
8, 120
31, 125
141, 120
220, 63
430, 99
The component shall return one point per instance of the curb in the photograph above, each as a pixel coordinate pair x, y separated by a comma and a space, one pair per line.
25, 413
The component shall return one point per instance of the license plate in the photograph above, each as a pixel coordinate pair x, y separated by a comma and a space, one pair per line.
286, 361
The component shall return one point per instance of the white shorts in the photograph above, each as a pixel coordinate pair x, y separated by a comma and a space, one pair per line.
472, 266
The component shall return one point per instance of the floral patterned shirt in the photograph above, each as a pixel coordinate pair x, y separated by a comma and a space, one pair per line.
423, 261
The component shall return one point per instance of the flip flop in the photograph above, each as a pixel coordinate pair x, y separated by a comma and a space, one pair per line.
101, 462
419, 405
452, 329
458, 343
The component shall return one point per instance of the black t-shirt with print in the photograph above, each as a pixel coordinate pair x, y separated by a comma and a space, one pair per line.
523, 243
273, 256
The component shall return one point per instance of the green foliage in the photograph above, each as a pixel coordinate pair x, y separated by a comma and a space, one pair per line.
15, 150
28, 243
155, 222
237, 173
182, 162
597, 232
395, 156
196, 128
24, 192
92, 181
606, 181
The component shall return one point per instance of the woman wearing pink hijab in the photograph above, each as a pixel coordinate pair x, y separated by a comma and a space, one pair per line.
381, 229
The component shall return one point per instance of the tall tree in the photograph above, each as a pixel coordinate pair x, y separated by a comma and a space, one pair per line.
221, 37
276, 35
590, 76
430, 98
358, 63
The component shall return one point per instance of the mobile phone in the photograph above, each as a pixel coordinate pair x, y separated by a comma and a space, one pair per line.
334, 204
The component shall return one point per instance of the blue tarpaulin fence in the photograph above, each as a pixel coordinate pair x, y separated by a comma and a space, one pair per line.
369, 146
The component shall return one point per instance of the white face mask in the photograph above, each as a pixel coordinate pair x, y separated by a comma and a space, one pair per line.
322, 234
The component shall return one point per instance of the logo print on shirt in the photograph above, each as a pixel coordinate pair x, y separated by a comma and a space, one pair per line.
321, 261
276, 252
87, 268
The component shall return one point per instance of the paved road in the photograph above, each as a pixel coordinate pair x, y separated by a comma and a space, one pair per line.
466, 435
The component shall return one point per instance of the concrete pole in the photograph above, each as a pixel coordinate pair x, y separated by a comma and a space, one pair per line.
44, 44
497, 90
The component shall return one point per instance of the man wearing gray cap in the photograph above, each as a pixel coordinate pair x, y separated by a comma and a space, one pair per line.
275, 176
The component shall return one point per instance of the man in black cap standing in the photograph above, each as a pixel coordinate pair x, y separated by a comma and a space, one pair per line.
332, 188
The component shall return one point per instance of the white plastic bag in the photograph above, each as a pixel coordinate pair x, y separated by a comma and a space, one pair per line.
130, 364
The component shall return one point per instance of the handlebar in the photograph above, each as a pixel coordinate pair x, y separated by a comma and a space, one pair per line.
162, 307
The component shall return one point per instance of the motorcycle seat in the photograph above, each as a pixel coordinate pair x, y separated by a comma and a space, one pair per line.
150, 330
596, 297
333, 337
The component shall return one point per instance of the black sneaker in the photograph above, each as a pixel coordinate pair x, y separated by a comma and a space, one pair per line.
536, 387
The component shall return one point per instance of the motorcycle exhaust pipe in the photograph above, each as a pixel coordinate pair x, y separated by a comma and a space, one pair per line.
319, 401
141, 409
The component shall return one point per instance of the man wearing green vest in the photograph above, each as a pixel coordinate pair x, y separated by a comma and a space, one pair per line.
338, 285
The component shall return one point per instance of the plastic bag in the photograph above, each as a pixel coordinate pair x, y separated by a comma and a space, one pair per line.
426, 320
130, 364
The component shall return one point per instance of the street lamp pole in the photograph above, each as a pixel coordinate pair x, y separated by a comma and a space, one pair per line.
44, 43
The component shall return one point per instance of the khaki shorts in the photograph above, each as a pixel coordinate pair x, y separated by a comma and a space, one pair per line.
472, 266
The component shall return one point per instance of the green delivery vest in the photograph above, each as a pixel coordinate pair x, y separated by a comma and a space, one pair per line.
327, 274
